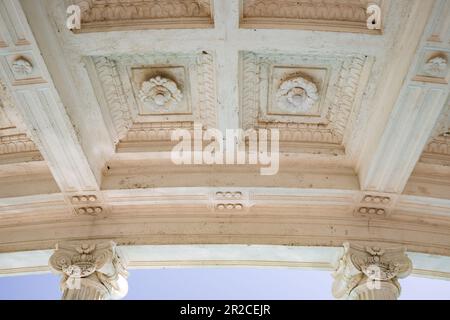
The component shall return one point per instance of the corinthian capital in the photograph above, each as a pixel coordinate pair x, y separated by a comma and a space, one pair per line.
370, 273
90, 271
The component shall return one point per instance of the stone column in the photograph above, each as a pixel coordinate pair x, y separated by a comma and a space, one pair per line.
90, 271
370, 273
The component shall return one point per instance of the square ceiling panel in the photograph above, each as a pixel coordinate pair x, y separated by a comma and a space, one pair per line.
309, 98
144, 97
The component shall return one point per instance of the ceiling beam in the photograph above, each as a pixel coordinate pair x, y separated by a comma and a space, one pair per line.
226, 17
404, 118
26, 76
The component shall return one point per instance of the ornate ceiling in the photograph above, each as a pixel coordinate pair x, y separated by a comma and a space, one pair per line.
87, 115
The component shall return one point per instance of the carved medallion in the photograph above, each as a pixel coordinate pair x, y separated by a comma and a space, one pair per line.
22, 66
160, 93
436, 66
297, 95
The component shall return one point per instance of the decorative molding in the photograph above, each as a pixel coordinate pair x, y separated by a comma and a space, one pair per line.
350, 85
17, 143
442, 127
228, 195
207, 89
98, 16
112, 92
370, 273
437, 152
90, 271
13, 139
84, 198
87, 204
229, 206
375, 205
369, 212
226, 201
439, 146
377, 199
333, 15
290, 216
93, 211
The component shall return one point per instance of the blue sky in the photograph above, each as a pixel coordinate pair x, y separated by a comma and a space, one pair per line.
219, 283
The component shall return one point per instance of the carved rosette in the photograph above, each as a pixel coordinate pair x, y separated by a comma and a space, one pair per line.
436, 66
160, 93
370, 273
297, 95
22, 66
90, 271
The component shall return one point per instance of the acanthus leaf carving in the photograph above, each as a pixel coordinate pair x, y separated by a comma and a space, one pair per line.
100, 15
330, 15
370, 271
99, 266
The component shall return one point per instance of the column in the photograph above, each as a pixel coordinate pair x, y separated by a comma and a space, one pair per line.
370, 273
90, 271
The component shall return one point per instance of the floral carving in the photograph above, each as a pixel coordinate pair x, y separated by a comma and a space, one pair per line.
22, 66
336, 15
100, 264
361, 266
97, 10
100, 15
297, 95
436, 66
160, 93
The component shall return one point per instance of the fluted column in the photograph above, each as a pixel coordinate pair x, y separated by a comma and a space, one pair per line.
90, 271
370, 273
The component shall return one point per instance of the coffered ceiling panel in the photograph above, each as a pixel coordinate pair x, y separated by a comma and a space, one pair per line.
144, 97
310, 98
